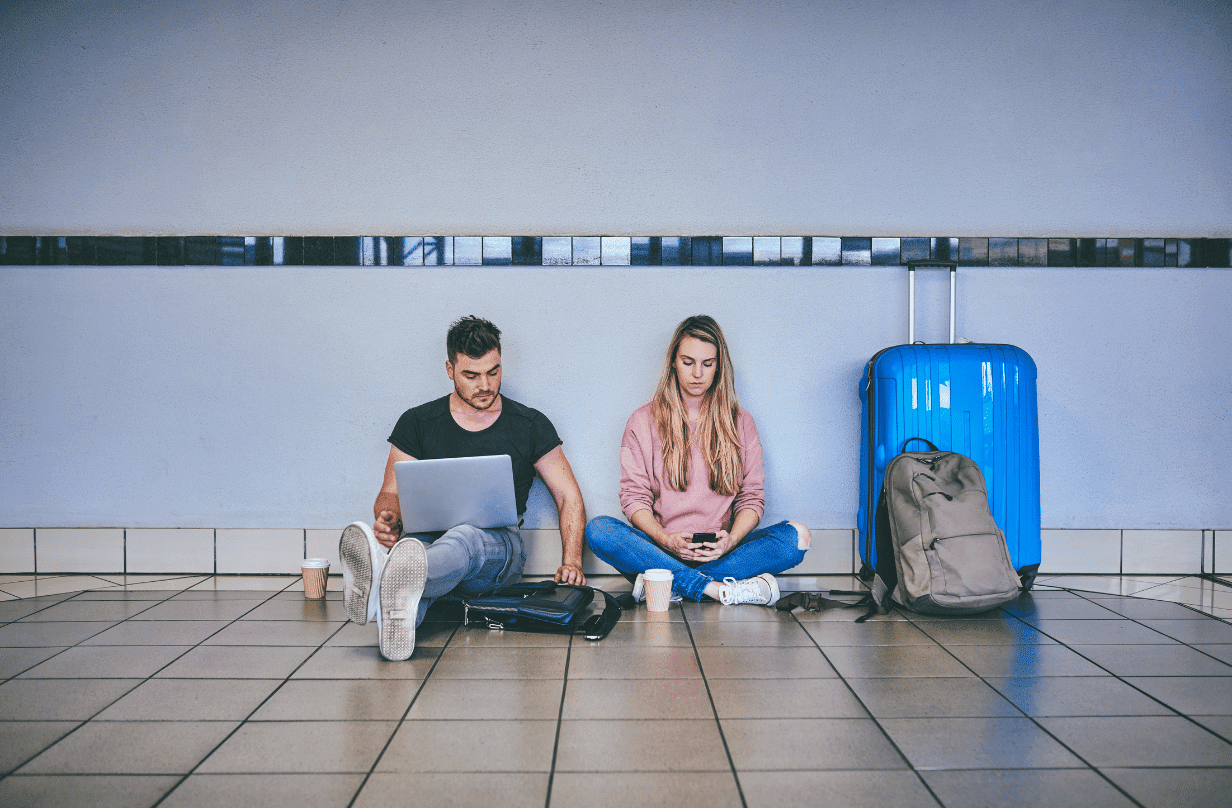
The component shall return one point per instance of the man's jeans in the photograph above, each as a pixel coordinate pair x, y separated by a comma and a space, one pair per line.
770, 549
468, 561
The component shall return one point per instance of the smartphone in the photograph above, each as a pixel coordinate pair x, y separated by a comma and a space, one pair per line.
703, 537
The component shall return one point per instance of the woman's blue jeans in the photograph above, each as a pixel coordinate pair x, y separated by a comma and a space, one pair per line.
770, 549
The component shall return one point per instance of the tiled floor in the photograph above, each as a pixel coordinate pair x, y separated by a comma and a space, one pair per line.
236, 691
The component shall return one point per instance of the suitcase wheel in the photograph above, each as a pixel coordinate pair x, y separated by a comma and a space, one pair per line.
1027, 576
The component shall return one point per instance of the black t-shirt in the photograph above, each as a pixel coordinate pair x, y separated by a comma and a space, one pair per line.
429, 432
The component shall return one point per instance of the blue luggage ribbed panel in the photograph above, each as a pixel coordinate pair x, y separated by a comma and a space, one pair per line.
975, 399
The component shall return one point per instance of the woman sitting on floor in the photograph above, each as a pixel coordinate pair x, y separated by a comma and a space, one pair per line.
691, 485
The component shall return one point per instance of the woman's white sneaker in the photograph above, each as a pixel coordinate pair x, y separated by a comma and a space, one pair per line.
762, 590
639, 590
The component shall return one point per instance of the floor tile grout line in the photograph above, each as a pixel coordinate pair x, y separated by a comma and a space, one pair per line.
560, 717
714, 710
917, 625
1139, 620
79, 642
1032, 718
1140, 593
1122, 679
876, 721
106, 706
251, 713
398, 727
1196, 610
143, 681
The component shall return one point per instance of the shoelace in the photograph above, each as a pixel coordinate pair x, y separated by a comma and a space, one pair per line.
742, 591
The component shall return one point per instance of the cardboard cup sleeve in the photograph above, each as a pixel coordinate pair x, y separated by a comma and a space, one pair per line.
315, 571
658, 585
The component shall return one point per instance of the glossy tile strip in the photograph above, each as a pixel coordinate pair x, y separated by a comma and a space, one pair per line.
608, 251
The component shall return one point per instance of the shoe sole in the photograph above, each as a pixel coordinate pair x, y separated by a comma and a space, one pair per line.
775, 592
356, 558
402, 584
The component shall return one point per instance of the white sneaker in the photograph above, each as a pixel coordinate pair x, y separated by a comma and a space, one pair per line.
639, 589
363, 561
762, 590
402, 585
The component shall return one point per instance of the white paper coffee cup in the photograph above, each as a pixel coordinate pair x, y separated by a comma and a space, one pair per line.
314, 571
658, 585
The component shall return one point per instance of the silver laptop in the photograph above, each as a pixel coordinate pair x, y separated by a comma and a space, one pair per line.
436, 495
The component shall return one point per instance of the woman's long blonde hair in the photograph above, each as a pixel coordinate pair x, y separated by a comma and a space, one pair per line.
716, 426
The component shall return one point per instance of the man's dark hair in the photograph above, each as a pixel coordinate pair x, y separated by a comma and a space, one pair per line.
473, 336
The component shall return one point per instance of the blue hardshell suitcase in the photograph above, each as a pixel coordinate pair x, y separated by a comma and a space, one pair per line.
975, 399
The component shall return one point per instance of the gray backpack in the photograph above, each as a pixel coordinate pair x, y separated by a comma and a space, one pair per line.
938, 549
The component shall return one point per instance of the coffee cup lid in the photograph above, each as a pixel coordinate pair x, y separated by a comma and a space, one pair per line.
315, 562
657, 575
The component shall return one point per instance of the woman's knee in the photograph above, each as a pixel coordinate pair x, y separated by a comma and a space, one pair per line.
804, 539
601, 529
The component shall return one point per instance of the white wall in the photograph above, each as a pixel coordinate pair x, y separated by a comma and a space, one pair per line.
243, 397
636, 117
261, 397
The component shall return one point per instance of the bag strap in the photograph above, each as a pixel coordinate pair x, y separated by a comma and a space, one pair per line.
815, 601
931, 447
885, 576
876, 600
597, 626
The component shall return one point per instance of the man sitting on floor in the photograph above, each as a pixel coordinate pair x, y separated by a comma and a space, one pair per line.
393, 578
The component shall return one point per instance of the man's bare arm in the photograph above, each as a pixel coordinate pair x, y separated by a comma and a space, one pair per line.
557, 474
387, 513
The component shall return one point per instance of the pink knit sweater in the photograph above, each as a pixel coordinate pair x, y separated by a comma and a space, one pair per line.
643, 483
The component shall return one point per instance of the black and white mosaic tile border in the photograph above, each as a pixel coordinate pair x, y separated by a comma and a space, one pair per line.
829, 251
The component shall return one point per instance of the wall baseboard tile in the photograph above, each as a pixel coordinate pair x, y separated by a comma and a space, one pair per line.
1095, 552
1161, 552
256, 551
80, 549
323, 543
833, 552
543, 554
16, 550
169, 550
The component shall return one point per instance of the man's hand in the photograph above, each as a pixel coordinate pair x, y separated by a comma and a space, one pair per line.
388, 525
557, 475
570, 574
387, 528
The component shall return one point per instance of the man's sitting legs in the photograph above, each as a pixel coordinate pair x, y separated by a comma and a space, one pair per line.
397, 588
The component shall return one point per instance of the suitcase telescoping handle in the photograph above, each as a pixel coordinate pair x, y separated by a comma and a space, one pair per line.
928, 264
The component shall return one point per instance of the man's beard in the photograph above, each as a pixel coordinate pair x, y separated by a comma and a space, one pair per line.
475, 403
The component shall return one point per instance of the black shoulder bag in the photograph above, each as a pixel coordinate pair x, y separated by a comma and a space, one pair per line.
542, 606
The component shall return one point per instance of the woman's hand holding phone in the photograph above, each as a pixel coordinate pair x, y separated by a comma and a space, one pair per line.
712, 545
699, 541
679, 545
